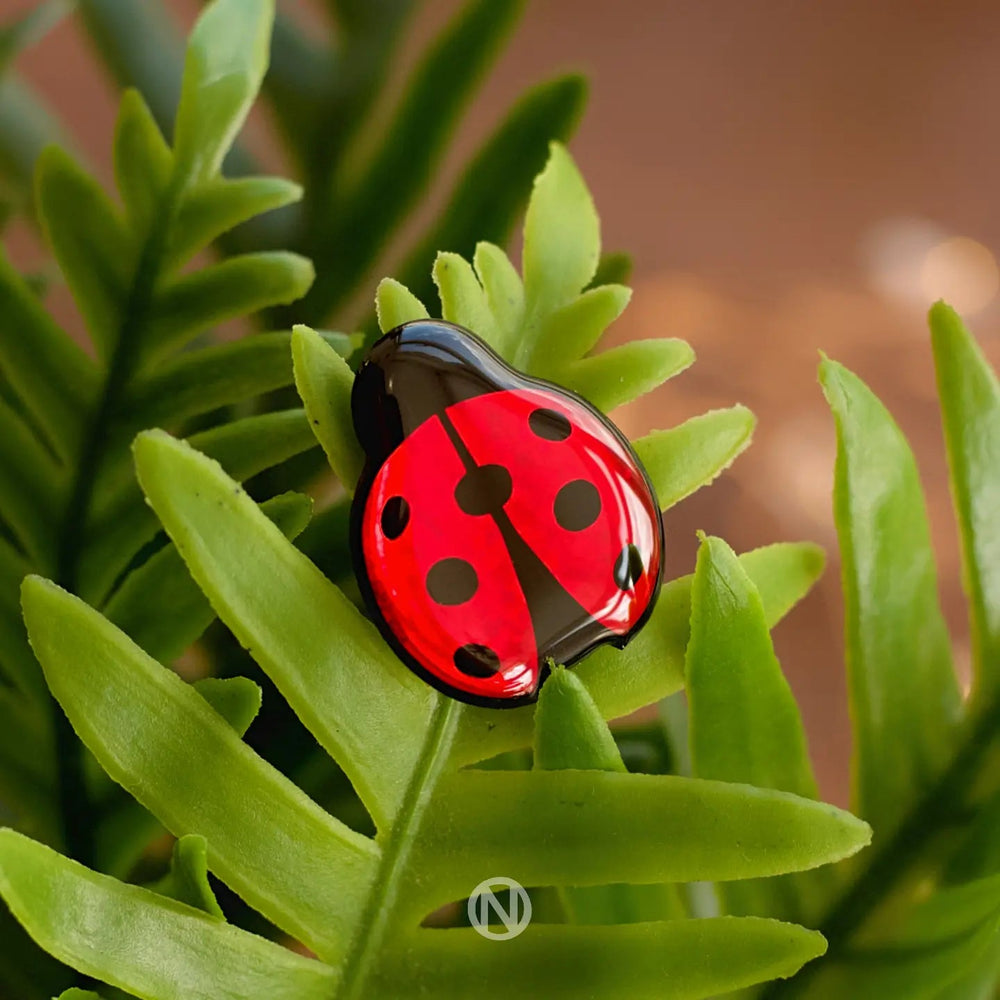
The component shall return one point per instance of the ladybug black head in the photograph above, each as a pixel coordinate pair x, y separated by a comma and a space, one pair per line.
416, 371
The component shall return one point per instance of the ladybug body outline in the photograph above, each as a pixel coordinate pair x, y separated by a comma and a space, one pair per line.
429, 369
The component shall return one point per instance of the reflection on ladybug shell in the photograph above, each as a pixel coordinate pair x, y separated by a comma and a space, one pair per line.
500, 520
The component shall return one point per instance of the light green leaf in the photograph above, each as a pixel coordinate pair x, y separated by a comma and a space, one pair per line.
300, 867
226, 59
192, 303
396, 305
611, 378
715, 830
216, 205
574, 330
164, 628
143, 162
363, 706
463, 300
236, 699
970, 409
324, 382
200, 381
171, 951
743, 722
904, 695
685, 458
494, 186
187, 880
89, 241
504, 294
682, 960
562, 242
51, 375
652, 665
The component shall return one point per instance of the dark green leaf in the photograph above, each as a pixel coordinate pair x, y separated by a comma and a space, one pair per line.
236, 699
22, 32
192, 303
970, 409
143, 162
164, 628
612, 269
170, 951
904, 695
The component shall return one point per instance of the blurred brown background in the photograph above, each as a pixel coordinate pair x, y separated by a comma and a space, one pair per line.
789, 176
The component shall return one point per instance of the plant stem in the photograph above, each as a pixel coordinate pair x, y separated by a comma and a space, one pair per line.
377, 917
932, 813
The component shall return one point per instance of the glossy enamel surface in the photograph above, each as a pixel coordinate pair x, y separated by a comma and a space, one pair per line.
500, 521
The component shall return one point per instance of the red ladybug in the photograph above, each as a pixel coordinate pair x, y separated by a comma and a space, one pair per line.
500, 521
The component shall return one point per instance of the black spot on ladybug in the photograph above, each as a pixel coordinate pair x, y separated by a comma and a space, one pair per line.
452, 581
550, 425
628, 567
476, 661
395, 517
483, 490
577, 505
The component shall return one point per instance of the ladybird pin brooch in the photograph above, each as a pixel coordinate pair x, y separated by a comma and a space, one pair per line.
500, 521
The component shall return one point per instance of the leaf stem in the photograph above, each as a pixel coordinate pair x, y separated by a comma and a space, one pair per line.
379, 910
933, 811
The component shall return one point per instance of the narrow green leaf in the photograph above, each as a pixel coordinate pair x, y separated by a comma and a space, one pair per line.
192, 303
504, 294
300, 867
53, 378
652, 665
88, 239
396, 305
685, 458
171, 951
143, 162
164, 628
904, 695
370, 207
226, 59
570, 732
624, 373
200, 381
463, 300
216, 205
715, 830
77, 994
324, 381
573, 330
236, 699
562, 242
970, 409
743, 722
682, 960
32, 487
187, 880
363, 706
244, 447
494, 186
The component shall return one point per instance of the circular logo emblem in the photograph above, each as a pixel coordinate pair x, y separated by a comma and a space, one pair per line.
513, 911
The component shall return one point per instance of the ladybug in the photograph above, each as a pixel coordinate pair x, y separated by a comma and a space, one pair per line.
500, 521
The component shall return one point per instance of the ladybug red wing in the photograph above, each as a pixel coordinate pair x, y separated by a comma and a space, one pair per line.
579, 499
442, 579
